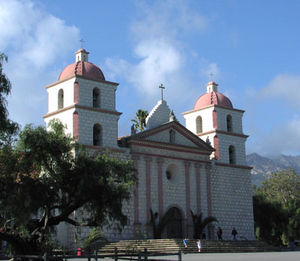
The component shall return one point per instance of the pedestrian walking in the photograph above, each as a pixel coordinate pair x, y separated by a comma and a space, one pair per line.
185, 242
219, 233
199, 245
234, 233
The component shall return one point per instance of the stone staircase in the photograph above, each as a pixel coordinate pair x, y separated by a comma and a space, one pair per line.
174, 245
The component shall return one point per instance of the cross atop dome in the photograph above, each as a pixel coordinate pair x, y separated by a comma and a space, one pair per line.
82, 55
211, 87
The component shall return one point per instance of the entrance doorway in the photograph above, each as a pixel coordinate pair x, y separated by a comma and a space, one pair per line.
173, 228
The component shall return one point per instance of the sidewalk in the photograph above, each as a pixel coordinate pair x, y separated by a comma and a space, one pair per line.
262, 256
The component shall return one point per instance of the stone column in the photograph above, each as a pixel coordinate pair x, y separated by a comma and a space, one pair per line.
215, 119
209, 200
136, 191
187, 189
148, 187
160, 186
187, 198
208, 187
198, 187
137, 224
216, 146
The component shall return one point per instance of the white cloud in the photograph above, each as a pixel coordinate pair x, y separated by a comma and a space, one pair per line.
282, 139
168, 19
211, 71
160, 61
273, 116
285, 87
34, 35
34, 40
162, 54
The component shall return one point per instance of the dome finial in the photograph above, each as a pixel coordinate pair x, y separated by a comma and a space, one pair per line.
82, 55
212, 97
211, 87
82, 67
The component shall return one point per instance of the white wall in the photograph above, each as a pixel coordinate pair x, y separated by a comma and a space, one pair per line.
68, 88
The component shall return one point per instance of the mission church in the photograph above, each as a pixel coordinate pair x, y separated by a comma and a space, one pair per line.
200, 166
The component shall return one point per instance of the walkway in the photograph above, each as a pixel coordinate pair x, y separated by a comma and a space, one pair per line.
262, 256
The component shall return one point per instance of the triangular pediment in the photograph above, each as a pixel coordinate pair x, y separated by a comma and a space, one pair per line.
171, 133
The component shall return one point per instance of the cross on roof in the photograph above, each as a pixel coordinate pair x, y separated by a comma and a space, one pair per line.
81, 42
162, 90
211, 76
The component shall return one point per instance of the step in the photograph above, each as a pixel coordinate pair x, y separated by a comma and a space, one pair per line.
173, 245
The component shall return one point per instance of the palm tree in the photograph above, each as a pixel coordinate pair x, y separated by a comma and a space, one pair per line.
153, 217
140, 119
159, 226
200, 224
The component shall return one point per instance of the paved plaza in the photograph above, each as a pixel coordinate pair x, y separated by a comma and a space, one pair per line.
265, 256
261, 256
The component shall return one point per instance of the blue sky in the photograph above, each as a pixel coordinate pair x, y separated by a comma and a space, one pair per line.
250, 47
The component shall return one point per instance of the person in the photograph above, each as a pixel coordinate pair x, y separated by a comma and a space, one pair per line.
185, 242
199, 245
219, 233
292, 243
234, 233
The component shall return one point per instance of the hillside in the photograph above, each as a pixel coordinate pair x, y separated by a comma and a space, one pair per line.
263, 165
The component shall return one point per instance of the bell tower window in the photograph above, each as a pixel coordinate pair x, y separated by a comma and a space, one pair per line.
231, 152
97, 135
60, 104
199, 124
229, 123
96, 98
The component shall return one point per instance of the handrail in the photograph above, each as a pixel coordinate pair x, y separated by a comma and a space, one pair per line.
140, 255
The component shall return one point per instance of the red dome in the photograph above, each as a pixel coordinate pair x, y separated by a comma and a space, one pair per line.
84, 69
210, 98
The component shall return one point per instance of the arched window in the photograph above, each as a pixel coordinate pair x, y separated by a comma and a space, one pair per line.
97, 135
231, 152
96, 98
60, 104
172, 173
199, 124
229, 123
172, 136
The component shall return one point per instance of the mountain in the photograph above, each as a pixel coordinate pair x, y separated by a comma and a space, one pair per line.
263, 165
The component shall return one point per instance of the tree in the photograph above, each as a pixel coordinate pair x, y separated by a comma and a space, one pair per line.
7, 127
279, 199
42, 183
200, 223
140, 120
270, 220
283, 187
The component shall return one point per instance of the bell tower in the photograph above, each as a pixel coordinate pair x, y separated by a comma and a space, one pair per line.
214, 120
84, 101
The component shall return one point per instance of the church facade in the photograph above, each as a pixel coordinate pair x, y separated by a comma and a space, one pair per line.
200, 167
